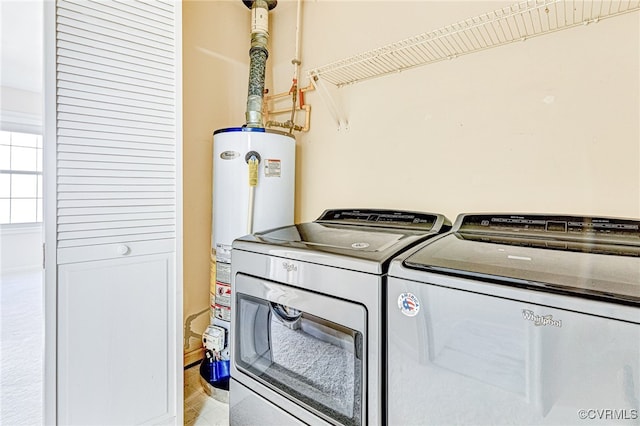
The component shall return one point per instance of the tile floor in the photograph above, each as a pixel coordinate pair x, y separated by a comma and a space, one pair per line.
200, 408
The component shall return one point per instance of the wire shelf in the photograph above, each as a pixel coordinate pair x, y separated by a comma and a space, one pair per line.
518, 22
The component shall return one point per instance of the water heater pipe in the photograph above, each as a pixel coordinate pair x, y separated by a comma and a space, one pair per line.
296, 66
296, 59
258, 55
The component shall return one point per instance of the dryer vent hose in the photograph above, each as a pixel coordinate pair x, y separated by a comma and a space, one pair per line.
258, 55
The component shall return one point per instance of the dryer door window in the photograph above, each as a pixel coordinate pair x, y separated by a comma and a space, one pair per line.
294, 349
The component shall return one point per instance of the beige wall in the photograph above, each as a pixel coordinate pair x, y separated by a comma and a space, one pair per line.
546, 125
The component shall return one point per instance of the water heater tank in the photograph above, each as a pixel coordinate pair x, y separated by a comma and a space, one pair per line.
273, 200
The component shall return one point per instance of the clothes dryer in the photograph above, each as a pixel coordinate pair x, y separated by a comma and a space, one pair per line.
517, 319
306, 325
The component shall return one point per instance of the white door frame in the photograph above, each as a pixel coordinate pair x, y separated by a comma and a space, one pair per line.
49, 213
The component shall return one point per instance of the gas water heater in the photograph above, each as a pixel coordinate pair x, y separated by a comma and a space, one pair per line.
253, 190
243, 204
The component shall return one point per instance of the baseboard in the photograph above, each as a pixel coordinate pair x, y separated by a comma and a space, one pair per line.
18, 270
193, 356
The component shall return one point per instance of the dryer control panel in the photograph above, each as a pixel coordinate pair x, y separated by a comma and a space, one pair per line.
610, 230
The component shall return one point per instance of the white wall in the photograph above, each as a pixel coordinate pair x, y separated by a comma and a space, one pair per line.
20, 111
20, 248
547, 125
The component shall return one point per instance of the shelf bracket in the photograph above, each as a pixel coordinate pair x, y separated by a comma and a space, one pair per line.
329, 100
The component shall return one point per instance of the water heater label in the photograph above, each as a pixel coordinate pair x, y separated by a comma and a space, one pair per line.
229, 155
223, 272
408, 304
222, 312
272, 168
223, 294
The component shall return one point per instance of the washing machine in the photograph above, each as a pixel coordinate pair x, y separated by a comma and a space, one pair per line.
517, 319
307, 316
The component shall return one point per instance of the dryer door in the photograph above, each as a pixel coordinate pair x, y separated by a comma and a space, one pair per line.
305, 346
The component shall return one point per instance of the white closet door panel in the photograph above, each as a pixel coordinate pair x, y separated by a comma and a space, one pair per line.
145, 232
106, 114
166, 5
73, 65
72, 255
113, 136
112, 75
112, 101
137, 8
107, 39
140, 125
142, 33
117, 116
104, 82
99, 146
126, 239
97, 165
86, 54
145, 7
69, 83
123, 214
118, 202
104, 378
111, 181
102, 10
114, 173
115, 188
114, 195
82, 211
111, 130
120, 224
103, 218
105, 64
100, 49
114, 158
144, 111
108, 35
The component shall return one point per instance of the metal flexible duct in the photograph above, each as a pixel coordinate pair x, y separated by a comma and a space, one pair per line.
258, 55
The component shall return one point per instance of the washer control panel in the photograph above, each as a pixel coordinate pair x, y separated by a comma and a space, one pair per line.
388, 218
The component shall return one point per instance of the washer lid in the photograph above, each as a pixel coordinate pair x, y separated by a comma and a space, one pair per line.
363, 240
589, 257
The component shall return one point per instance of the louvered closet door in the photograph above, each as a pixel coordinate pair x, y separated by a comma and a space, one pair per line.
117, 124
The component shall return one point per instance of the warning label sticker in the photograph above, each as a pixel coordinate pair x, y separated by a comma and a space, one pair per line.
223, 294
222, 312
223, 272
272, 168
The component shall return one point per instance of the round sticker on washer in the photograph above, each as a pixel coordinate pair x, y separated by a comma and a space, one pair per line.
408, 304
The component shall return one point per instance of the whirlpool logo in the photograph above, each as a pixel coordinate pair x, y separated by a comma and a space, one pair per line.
540, 320
289, 267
